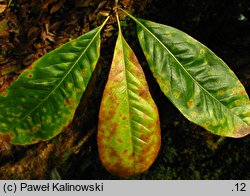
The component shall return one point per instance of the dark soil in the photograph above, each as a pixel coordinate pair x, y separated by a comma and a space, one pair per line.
31, 28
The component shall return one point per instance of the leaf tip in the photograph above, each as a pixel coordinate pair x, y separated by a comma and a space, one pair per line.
241, 132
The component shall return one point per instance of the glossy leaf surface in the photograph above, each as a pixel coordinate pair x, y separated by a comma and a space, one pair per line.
196, 81
43, 100
128, 130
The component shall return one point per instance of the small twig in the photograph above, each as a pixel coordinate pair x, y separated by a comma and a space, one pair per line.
84, 139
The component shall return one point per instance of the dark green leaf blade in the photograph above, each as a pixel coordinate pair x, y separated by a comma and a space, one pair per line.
43, 100
128, 128
196, 81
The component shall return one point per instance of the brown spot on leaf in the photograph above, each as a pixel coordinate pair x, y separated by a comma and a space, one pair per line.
119, 140
84, 72
146, 148
115, 61
34, 140
4, 93
238, 102
239, 91
36, 128
241, 132
119, 53
141, 161
69, 102
206, 125
116, 73
145, 137
190, 103
99, 49
202, 52
238, 83
131, 157
124, 118
151, 125
144, 93
113, 153
78, 90
220, 92
176, 94
133, 58
125, 152
112, 99
113, 130
111, 113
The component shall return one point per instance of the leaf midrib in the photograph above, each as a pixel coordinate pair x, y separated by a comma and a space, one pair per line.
209, 94
127, 95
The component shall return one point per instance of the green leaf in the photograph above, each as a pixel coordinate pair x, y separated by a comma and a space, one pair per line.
43, 100
196, 81
129, 129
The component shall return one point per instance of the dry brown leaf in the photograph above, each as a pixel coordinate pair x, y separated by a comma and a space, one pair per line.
9, 68
33, 31
2, 80
3, 27
102, 4
28, 60
2, 8
85, 3
46, 3
4, 34
55, 25
43, 35
56, 7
